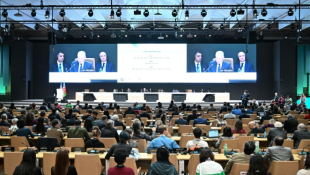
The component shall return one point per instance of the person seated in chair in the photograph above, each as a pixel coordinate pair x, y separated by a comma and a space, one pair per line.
278, 152
181, 121
104, 65
219, 65
80, 65
254, 129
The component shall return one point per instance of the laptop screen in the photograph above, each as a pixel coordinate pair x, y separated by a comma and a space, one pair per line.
213, 133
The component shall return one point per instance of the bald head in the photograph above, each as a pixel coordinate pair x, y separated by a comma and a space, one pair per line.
301, 126
251, 124
278, 124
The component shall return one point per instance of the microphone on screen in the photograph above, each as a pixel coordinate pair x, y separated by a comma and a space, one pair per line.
70, 68
209, 68
303, 152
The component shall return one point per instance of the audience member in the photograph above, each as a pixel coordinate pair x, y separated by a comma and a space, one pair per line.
22, 130
68, 116
64, 126
33, 108
243, 115
101, 123
299, 134
88, 125
200, 120
223, 108
4, 121
237, 111
39, 127
277, 131
290, 125
94, 143
22, 115
118, 123
110, 131
56, 115
207, 164
270, 124
180, 121
76, 109
120, 155
229, 115
13, 127
306, 170
145, 114
62, 164
238, 128
78, 131
124, 137
278, 152
129, 111
192, 116
30, 121
211, 108
220, 121
254, 129
131, 142
227, 134
55, 131
28, 164
137, 134
197, 142
89, 113
267, 116
257, 166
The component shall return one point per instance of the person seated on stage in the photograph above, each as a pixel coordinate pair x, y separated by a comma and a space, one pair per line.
237, 111
254, 129
299, 134
55, 131
192, 116
306, 169
224, 108
278, 152
4, 121
28, 164
23, 131
197, 66
220, 121
267, 116
101, 123
124, 137
229, 115
163, 166
219, 65
110, 131
290, 125
277, 131
197, 142
138, 134
180, 121
62, 164
257, 166
163, 140
78, 131
80, 65
129, 111
145, 114
227, 135
94, 143
118, 123
238, 128
243, 66
244, 157
117, 110
54, 113
270, 124
207, 164
104, 65
200, 120
120, 158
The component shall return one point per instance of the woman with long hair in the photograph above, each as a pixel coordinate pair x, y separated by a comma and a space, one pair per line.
68, 116
306, 169
88, 125
207, 164
40, 128
62, 164
94, 143
131, 142
137, 134
227, 134
148, 109
238, 128
30, 121
257, 166
28, 164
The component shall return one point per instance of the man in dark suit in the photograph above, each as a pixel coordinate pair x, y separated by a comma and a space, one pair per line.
243, 66
5, 111
71, 121
104, 65
301, 133
193, 116
22, 115
85, 106
254, 129
267, 116
243, 115
99, 107
101, 123
145, 114
60, 65
277, 131
89, 112
197, 66
118, 123
4, 121
200, 120
223, 108
211, 108
181, 121
44, 107
129, 111
80, 65
219, 65
109, 131
290, 125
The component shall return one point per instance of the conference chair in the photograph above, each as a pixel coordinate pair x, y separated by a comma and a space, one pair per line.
5, 129
128, 121
17, 141
252, 116
288, 143
130, 116
30, 127
48, 162
185, 139
237, 168
88, 164
141, 145
304, 121
175, 116
214, 123
191, 122
302, 162
229, 60
110, 111
144, 120
204, 128
293, 112
299, 116
213, 112
11, 161
172, 121
245, 121
283, 167
185, 129
224, 112
243, 140
266, 122
172, 159
206, 116
193, 163
205, 109
231, 144
130, 162
74, 142
231, 122
108, 142
268, 129
303, 143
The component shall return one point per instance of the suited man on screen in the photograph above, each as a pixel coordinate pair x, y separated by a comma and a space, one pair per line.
104, 66
60, 65
198, 66
219, 64
243, 66
81, 65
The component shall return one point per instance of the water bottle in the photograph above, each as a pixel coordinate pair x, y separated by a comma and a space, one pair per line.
265, 134
256, 149
100, 70
225, 149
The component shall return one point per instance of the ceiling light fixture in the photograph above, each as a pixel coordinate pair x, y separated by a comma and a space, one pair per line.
118, 13
233, 13
90, 13
186, 14
264, 12
62, 12
33, 13
146, 13
174, 13
203, 13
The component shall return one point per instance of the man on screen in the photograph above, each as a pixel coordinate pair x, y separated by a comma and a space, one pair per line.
104, 66
219, 64
60, 65
243, 66
81, 65
197, 66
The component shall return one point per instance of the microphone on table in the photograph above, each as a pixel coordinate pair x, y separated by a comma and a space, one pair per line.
303, 152
232, 152
92, 151
209, 67
26, 147
189, 133
70, 68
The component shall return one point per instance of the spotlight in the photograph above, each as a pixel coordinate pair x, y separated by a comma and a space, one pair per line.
140, 36
12, 26
106, 27
125, 36
186, 14
83, 27
210, 26
146, 13
255, 13
290, 12
293, 26
119, 13
222, 27
33, 13
128, 27
6, 28
62, 12
195, 36
174, 13
152, 27
65, 28
59, 26
47, 14
90, 13
264, 12
37, 26
199, 27
69, 27
5, 13
203, 13
175, 27
98, 36
112, 14
233, 13
269, 26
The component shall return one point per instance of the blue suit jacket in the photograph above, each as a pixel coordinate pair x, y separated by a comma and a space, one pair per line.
225, 65
200, 121
248, 67
192, 67
54, 67
75, 68
109, 67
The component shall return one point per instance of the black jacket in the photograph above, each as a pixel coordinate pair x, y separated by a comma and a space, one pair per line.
275, 132
145, 114
265, 117
256, 130
243, 116
191, 117
290, 125
109, 132
118, 123
129, 112
299, 135
94, 143
125, 146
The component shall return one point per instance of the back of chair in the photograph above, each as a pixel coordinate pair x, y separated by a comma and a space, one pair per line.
303, 143
88, 164
172, 121
128, 121
5, 129
283, 167
144, 119
246, 129
206, 116
172, 158
193, 163
74, 142
204, 128
17, 141
185, 139
130, 116
238, 167
130, 162
11, 161
253, 116
293, 112
288, 143
214, 123
119, 127
231, 143
108, 142
268, 129
243, 140
185, 128
265, 122
245, 121
141, 145
304, 121
231, 122
191, 122
48, 162
299, 116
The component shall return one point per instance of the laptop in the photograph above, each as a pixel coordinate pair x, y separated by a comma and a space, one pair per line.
213, 134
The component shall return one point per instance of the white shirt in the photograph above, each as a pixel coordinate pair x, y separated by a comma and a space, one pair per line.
80, 66
242, 70
104, 67
209, 167
62, 66
196, 143
229, 116
217, 66
196, 66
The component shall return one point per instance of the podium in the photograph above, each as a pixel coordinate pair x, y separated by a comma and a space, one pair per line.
88, 97
208, 98
178, 97
120, 97
150, 97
